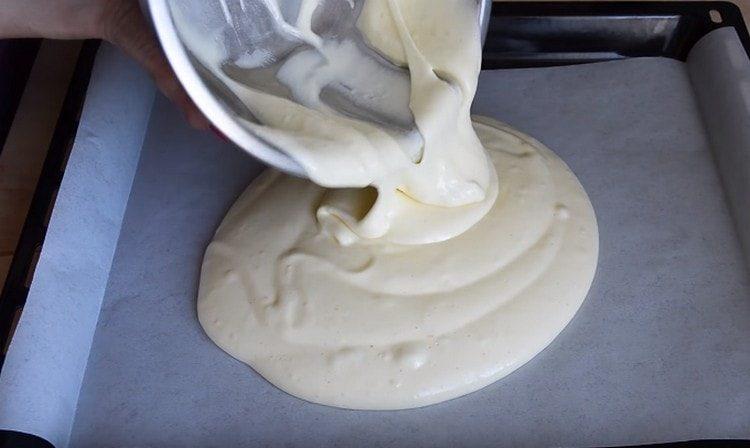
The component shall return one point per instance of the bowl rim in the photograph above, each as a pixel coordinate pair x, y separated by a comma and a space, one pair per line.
219, 115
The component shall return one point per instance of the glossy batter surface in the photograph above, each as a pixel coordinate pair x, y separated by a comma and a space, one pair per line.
378, 325
415, 265
439, 164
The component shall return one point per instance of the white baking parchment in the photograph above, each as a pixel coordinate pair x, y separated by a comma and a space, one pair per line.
45, 364
658, 352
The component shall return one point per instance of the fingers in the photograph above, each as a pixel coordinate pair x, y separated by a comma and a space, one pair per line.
125, 26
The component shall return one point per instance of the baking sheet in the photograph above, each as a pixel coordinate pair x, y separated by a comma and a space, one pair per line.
45, 364
658, 351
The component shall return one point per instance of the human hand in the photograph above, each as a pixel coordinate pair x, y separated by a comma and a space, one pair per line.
118, 21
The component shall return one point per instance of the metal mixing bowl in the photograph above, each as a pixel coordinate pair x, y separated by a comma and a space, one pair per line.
208, 94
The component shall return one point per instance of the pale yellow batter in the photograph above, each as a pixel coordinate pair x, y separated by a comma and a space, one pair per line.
425, 274
383, 326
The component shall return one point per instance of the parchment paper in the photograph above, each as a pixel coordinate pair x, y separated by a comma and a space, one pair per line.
45, 364
658, 352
